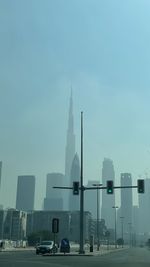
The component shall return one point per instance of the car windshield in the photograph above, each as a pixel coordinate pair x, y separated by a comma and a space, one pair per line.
46, 243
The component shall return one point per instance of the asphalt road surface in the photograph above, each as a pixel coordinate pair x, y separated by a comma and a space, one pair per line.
136, 257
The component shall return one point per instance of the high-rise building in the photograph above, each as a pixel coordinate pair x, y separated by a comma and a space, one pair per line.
144, 207
74, 176
126, 203
25, 193
54, 197
69, 153
108, 201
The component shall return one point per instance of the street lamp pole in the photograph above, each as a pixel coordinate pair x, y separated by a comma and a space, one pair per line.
81, 249
122, 229
98, 241
115, 207
130, 238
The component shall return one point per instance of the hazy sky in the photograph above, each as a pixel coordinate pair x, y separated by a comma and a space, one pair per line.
102, 49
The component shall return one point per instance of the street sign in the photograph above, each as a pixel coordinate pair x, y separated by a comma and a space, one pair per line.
55, 225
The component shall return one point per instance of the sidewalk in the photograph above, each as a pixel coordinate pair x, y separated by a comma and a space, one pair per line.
74, 251
103, 250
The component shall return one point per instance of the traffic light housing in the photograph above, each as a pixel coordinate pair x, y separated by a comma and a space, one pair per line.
140, 186
110, 187
55, 225
75, 188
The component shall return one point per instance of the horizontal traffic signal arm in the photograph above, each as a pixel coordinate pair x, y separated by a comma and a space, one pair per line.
105, 187
63, 187
95, 187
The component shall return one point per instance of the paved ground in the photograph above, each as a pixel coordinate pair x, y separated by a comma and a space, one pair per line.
74, 250
139, 257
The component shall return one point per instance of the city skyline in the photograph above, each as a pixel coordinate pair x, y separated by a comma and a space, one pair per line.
70, 132
104, 55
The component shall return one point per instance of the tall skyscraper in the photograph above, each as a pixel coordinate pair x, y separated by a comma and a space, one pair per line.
126, 203
144, 209
70, 152
74, 176
25, 193
108, 201
54, 197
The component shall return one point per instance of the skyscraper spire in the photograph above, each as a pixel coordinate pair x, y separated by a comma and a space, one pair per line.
70, 151
70, 142
71, 119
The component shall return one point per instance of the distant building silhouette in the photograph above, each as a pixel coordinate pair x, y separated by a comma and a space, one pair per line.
91, 199
74, 176
54, 197
144, 209
25, 193
108, 201
126, 203
69, 153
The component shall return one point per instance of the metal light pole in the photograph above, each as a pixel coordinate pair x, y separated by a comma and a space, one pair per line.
81, 249
115, 207
122, 229
98, 242
130, 239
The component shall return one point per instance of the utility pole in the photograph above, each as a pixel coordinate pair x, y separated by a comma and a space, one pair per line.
115, 207
98, 241
122, 229
130, 234
81, 249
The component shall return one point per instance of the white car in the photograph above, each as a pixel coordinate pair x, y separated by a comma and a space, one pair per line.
46, 247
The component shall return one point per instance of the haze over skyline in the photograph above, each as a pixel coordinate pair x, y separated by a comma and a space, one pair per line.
101, 49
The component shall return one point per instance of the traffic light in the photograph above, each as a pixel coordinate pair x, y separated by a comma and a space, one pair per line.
140, 186
110, 187
75, 188
55, 225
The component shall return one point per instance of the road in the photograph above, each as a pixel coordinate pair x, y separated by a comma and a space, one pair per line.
139, 257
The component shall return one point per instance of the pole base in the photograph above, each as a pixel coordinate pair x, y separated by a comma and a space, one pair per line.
81, 252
